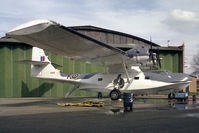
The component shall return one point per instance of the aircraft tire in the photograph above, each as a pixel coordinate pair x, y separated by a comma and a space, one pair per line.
115, 94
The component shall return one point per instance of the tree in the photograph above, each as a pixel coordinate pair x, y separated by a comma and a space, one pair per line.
195, 65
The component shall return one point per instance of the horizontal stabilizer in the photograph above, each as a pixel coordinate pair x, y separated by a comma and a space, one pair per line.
38, 63
56, 65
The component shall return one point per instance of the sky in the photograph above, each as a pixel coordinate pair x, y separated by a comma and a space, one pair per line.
162, 20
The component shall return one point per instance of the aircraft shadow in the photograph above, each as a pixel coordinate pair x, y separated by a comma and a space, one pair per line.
37, 92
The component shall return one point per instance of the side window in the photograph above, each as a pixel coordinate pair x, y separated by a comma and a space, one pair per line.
136, 78
147, 77
100, 79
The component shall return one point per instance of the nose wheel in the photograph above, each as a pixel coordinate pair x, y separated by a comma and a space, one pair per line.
115, 94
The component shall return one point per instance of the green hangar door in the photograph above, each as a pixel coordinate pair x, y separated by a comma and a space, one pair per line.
15, 79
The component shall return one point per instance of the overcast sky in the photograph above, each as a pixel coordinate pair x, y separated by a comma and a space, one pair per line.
163, 20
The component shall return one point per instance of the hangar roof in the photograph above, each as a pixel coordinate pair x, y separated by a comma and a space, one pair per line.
90, 28
98, 29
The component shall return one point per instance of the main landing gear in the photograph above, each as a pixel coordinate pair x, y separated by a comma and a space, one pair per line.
118, 83
115, 94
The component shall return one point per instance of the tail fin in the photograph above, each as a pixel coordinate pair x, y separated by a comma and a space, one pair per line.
40, 64
39, 55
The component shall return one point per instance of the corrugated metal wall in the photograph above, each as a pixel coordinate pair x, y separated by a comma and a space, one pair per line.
15, 79
112, 38
171, 60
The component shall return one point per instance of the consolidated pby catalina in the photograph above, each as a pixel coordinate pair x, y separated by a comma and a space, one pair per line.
123, 75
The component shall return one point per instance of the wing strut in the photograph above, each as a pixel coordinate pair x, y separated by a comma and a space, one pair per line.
126, 72
73, 89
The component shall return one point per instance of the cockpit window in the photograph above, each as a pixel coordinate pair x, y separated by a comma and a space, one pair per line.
100, 79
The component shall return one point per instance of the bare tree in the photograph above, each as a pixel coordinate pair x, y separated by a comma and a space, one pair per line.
195, 65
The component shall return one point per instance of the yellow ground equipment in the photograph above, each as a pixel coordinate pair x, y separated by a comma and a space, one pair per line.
84, 104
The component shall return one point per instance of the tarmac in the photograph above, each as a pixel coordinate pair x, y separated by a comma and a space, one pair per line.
42, 115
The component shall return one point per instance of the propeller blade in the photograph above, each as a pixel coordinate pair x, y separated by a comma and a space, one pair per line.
151, 57
158, 58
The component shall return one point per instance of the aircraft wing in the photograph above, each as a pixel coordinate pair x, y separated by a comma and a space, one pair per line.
65, 41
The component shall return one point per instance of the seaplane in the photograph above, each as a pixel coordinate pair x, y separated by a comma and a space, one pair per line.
124, 73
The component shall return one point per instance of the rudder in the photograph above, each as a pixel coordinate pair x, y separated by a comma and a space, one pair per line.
43, 64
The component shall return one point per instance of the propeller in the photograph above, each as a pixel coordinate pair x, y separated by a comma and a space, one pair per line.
151, 57
154, 56
159, 59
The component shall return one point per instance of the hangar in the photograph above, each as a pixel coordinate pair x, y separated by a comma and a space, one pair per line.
15, 80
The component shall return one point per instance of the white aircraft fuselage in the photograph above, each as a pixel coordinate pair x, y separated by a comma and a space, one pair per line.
140, 82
